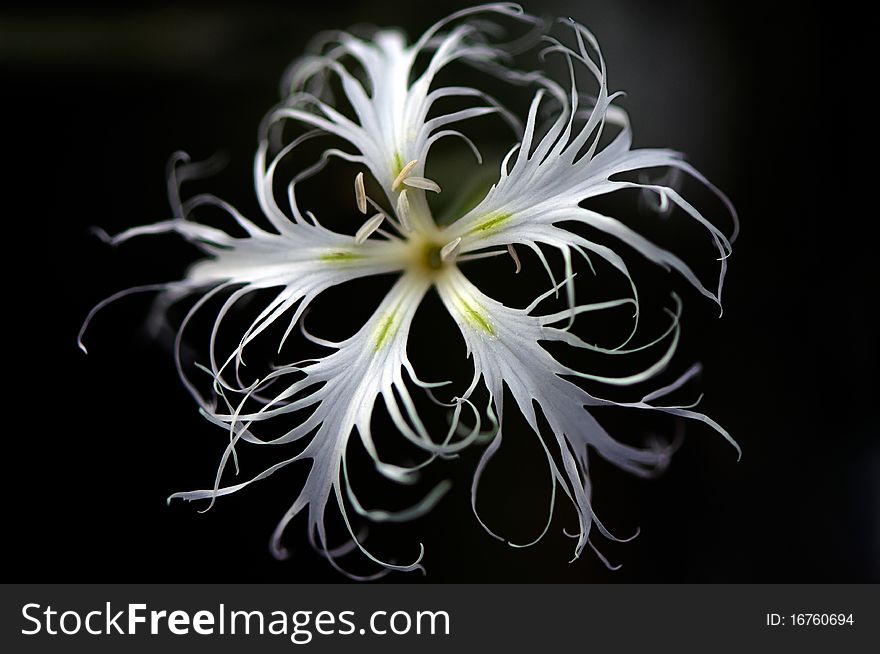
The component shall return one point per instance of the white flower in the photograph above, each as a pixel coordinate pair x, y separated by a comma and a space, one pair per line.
541, 184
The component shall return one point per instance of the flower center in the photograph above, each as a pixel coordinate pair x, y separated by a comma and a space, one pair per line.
421, 250
431, 258
427, 255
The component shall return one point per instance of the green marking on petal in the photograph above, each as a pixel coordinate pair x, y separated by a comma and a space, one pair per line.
475, 315
397, 166
340, 257
386, 329
490, 224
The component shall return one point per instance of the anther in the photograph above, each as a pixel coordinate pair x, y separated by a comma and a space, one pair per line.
366, 230
514, 256
449, 250
403, 211
404, 173
359, 193
423, 183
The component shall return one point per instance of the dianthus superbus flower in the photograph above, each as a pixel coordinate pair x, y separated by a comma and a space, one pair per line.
388, 124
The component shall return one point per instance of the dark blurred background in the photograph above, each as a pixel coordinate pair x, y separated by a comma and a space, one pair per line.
96, 100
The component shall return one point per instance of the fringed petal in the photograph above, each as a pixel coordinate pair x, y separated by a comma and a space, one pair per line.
504, 346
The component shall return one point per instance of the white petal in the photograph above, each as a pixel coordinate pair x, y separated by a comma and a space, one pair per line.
504, 345
301, 261
549, 179
390, 126
342, 389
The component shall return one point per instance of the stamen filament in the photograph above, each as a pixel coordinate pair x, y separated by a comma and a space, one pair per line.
388, 217
480, 255
389, 235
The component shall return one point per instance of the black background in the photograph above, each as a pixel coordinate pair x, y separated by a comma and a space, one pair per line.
95, 102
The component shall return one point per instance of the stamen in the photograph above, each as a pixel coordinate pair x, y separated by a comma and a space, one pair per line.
404, 172
513, 256
422, 183
403, 211
366, 230
360, 193
480, 255
449, 250
391, 219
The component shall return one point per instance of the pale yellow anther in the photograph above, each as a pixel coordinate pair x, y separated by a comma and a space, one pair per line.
423, 183
449, 250
366, 230
514, 256
360, 193
403, 211
404, 173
